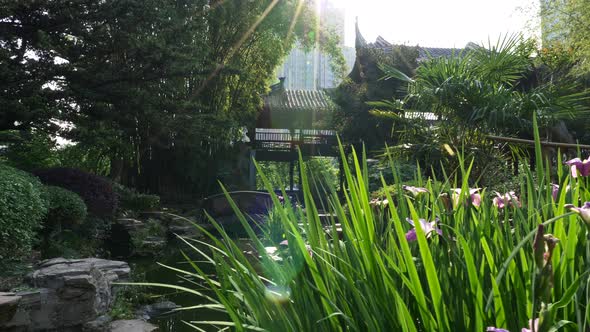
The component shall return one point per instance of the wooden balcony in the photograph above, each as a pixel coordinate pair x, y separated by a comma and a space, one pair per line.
283, 144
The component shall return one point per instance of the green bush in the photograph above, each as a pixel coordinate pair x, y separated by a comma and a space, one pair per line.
154, 228
406, 171
96, 191
130, 199
22, 208
141, 202
82, 240
66, 208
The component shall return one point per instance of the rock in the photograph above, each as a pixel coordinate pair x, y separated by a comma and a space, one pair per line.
130, 224
70, 293
182, 227
131, 237
132, 325
183, 231
37, 310
154, 243
156, 215
8, 305
56, 272
150, 246
157, 309
100, 324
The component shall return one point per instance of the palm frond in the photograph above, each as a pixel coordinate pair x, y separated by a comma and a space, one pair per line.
393, 73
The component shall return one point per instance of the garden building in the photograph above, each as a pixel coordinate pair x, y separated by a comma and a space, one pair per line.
292, 121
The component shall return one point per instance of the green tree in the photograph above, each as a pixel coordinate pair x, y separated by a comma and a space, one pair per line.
353, 118
485, 90
496, 90
26, 99
160, 89
566, 23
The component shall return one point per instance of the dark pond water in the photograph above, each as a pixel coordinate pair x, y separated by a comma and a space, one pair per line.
148, 268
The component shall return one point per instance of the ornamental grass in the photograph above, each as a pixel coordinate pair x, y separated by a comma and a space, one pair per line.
475, 267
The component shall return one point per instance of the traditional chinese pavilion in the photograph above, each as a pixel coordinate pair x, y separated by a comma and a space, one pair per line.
292, 121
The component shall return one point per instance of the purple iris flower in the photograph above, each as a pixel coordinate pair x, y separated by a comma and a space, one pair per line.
579, 167
555, 190
507, 199
473, 195
495, 329
415, 191
532, 323
583, 211
427, 227
524, 329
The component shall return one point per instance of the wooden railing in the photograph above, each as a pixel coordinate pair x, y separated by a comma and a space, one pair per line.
289, 140
543, 143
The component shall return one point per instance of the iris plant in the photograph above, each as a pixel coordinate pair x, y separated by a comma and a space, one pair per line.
415, 191
555, 190
307, 247
508, 199
583, 211
579, 167
532, 324
427, 227
474, 195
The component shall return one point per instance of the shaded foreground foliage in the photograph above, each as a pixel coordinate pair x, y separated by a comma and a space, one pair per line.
22, 208
479, 272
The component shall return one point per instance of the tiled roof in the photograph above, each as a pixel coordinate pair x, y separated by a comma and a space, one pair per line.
424, 52
382, 43
299, 100
436, 52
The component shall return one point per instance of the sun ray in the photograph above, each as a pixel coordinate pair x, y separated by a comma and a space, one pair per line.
294, 20
236, 47
316, 45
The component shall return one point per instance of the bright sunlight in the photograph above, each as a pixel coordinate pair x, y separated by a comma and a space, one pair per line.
451, 23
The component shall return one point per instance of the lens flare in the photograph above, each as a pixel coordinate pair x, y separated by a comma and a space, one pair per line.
277, 294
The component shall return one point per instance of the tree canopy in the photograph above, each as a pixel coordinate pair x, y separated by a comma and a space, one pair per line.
567, 24
364, 85
155, 89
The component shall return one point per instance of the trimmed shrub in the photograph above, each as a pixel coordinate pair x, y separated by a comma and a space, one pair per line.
142, 202
130, 199
22, 208
66, 208
96, 191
